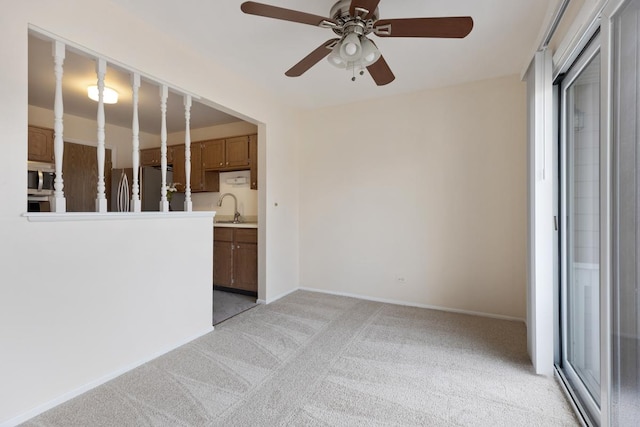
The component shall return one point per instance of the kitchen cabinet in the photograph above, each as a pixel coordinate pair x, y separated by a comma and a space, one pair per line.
226, 154
213, 154
236, 152
179, 176
202, 179
152, 156
235, 258
208, 159
253, 160
40, 144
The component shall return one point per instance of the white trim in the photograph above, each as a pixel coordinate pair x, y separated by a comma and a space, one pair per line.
554, 8
112, 216
540, 226
276, 298
412, 304
93, 384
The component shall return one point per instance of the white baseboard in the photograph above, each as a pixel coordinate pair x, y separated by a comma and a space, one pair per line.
93, 384
412, 304
276, 298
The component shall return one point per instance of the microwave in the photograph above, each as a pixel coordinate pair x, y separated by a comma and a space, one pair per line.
40, 178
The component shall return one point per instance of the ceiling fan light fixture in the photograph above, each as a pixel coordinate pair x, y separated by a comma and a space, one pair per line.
350, 47
370, 52
335, 59
109, 96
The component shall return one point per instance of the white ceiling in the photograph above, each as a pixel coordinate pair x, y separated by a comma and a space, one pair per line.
262, 49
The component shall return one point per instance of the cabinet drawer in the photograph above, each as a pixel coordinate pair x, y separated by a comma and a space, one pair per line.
223, 234
247, 235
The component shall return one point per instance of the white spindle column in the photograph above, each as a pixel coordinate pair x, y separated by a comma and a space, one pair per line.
58, 201
164, 203
101, 200
188, 204
136, 205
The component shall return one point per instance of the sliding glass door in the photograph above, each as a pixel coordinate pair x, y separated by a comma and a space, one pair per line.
580, 238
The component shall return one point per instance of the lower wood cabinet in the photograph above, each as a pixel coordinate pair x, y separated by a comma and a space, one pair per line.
235, 258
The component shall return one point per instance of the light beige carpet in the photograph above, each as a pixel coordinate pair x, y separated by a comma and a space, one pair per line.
316, 360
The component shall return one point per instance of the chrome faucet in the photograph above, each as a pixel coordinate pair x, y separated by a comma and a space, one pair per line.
236, 214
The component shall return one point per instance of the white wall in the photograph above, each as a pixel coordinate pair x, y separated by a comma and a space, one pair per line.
52, 320
419, 198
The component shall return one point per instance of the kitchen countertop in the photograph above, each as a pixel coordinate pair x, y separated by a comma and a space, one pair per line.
236, 225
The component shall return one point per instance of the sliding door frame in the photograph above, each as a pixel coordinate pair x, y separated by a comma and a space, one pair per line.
589, 406
604, 23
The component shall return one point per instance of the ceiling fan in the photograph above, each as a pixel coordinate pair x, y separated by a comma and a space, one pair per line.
352, 21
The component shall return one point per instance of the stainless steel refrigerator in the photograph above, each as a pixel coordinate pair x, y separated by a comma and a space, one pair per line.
150, 181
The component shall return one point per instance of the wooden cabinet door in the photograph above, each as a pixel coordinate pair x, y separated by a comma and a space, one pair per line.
237, 152
223, 256
179, 176
150, 157
40, 144
223, 264
245, 259
253, 160
213, 154
169, 154
197, 182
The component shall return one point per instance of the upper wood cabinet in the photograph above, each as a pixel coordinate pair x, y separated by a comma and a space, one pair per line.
226, 154
40, 144
237, 152
179, 176
201, 178
208, 159
213, 154
152, 156
253, 160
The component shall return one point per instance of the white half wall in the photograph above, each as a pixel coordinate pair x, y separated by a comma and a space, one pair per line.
419, 198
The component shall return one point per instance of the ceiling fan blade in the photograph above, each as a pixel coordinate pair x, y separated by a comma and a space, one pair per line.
380, 72
452, 27
260, 9
312, 59
369, 5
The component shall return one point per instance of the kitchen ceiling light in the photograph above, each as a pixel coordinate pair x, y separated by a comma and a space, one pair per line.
109, 96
